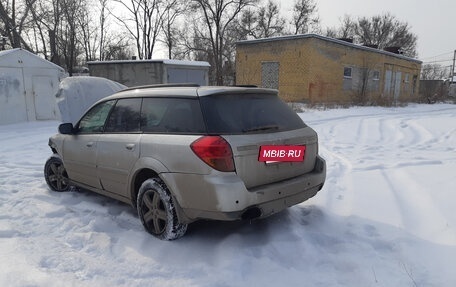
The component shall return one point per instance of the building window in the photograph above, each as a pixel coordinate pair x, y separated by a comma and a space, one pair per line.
376, 75
407, 78
347, 72
270, 75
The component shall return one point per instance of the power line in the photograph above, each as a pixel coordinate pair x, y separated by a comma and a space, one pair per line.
438, 61
448, 53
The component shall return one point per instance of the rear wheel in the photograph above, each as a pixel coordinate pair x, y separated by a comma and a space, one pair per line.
157, 211
56, 175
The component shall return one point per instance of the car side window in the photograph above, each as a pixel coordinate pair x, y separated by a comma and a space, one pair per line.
125, 116
172, 115
94, 120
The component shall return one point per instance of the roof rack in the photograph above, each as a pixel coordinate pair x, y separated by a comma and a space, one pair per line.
246, 86
162, 86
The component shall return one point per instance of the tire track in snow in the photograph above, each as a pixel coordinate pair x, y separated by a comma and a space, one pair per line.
401, 143
420, 214
344, 159
396, 140
339, 190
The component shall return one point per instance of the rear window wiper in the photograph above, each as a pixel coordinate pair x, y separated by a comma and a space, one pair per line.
261, 128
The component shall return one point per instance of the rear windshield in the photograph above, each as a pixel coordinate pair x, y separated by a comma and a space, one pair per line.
248, 113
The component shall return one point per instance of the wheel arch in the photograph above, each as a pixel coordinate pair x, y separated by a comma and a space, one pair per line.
143, 169
138, 179
146, 173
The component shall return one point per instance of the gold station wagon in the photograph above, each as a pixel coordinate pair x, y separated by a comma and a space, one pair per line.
183, 153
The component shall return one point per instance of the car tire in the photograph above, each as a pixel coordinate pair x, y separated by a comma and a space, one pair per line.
157, 211
56, 175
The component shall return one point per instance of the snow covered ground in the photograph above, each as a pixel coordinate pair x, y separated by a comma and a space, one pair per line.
386, 216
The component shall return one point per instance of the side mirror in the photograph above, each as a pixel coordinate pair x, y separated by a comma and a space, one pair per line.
66, 128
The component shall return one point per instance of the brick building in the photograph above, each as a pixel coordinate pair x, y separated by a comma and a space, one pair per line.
317, 69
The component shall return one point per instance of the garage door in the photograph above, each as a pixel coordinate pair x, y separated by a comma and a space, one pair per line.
13, 108
43, 93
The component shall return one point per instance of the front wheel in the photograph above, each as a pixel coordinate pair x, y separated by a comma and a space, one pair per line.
56, 175
157, 211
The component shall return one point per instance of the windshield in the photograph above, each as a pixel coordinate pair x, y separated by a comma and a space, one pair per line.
248, 113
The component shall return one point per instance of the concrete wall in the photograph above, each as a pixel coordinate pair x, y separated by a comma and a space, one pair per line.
311, 69
145, 72
129, 73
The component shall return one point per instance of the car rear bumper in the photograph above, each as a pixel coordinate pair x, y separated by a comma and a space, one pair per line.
226, 197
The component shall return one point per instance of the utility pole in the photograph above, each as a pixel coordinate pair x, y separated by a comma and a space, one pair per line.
450, 90
452, 67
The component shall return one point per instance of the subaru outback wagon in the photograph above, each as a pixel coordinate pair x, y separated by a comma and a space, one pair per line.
183, 153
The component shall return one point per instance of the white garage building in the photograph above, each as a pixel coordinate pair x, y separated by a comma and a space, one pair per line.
28, 85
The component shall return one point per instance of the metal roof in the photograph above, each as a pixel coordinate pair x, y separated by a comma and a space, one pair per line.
5, 58
328, 39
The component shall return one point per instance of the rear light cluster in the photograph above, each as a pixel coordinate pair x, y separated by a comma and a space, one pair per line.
214, 151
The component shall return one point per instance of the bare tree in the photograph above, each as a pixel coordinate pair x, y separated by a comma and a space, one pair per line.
89, 40
269, 21
39, 26
14, 15
66, 32
68, 40
247, 24
218, 16
51, 28
264, 21
97, 42
173, 10
386, 31
305, 18
346, 29
54, 29
381, 31
102, 20
144, 24
435, 72
117, 47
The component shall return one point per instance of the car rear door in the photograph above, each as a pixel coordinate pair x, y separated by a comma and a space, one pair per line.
118, 148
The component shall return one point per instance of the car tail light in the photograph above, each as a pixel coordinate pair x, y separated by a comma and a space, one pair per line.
214, 151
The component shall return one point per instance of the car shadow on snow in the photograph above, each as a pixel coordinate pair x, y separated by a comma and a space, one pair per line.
258, 229
119, 220
255, 232
252, 236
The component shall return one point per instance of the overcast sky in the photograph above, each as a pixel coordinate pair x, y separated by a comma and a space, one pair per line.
434, 21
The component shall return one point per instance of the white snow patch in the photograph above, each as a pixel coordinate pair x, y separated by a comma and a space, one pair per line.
385, 216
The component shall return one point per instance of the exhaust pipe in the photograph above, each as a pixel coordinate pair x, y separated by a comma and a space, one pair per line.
251, 213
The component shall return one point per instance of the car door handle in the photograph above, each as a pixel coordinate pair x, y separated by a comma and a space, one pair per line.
89, 144
130, 146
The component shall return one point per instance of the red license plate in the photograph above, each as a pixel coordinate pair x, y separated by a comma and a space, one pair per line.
282, 153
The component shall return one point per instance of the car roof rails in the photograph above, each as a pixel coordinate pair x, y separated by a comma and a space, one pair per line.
246, 86
176, 85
